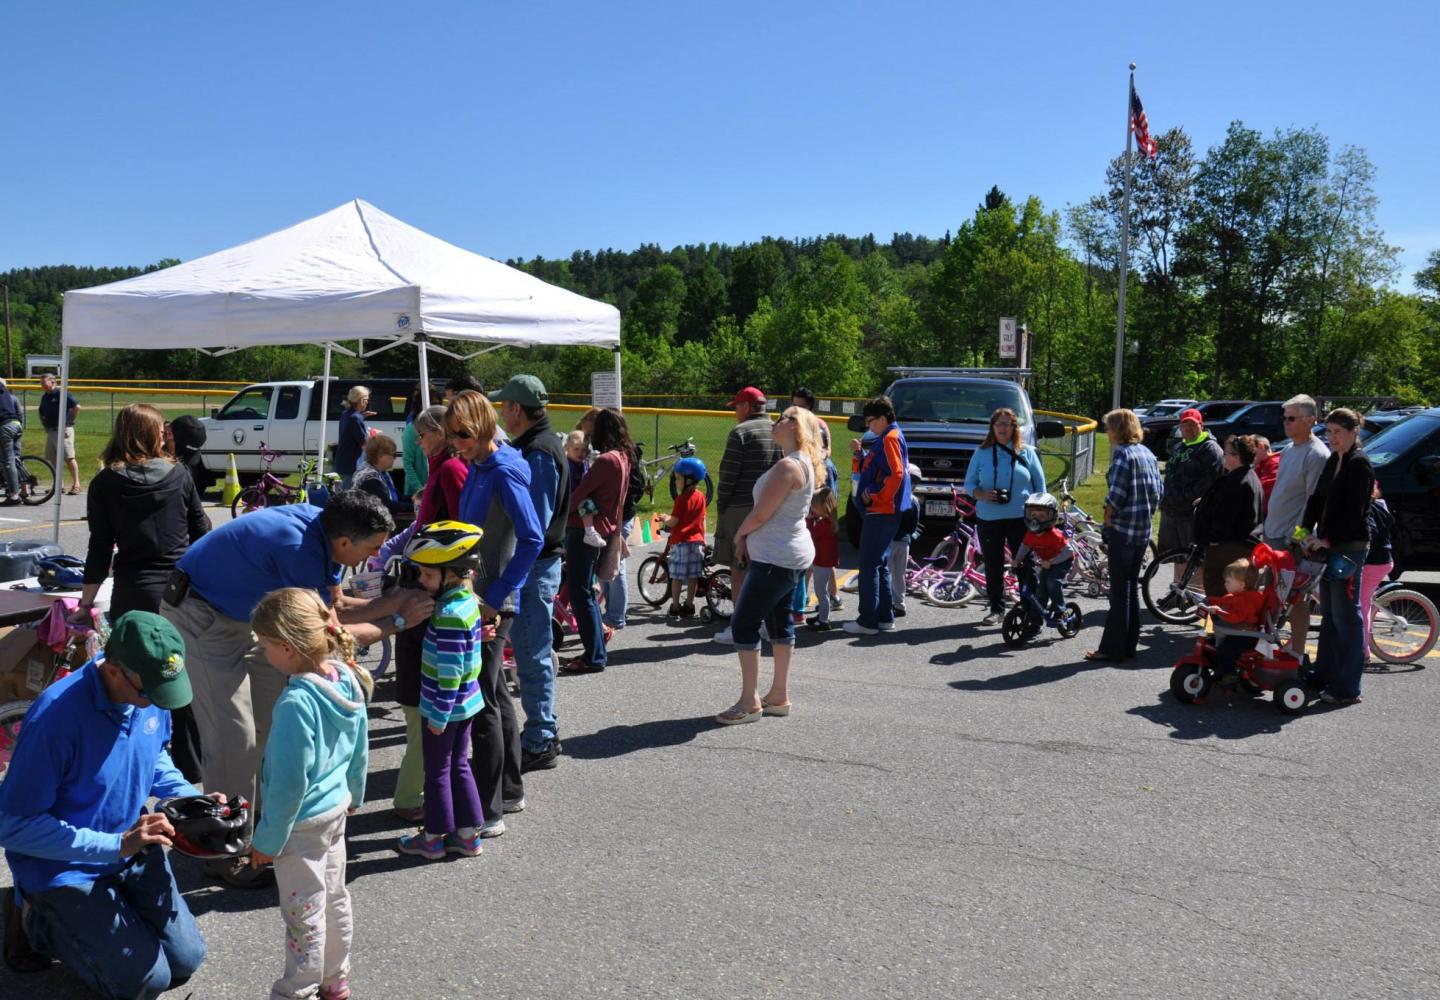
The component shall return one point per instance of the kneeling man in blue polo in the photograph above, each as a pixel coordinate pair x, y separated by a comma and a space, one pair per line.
87, 859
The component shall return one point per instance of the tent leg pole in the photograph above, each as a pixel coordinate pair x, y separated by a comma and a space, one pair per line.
619, 391
60, 437
424, 373
324, 415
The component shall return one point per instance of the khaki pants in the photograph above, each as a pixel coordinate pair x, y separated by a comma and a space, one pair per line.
310, 874
235, 693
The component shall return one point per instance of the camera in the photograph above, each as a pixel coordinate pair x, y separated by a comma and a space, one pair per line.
1002, 496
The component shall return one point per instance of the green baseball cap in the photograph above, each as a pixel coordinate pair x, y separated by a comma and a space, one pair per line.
527, 390
148, 645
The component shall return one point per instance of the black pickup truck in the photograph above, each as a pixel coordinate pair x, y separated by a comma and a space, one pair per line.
1406, 457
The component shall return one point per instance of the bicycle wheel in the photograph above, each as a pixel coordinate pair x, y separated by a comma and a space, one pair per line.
718, 596
1155, 587
1404, 626
653, 580
951, 592
250, 498
11, 713
37, 480
946, 554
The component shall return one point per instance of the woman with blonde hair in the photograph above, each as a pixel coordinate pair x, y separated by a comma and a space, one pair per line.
143, 512
1132, 496
352, 435
774, 546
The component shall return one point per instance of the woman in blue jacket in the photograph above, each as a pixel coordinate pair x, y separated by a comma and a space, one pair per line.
353, 433
496, 498
1003, 473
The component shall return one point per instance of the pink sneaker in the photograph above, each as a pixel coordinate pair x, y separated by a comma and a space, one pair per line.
422, 846
336, 991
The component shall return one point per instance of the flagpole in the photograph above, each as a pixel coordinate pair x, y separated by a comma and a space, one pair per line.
1124, 248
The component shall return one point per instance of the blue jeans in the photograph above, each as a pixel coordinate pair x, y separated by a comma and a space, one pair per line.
1121, 636
877, 602
1341, 654
1052, 585
580, 562
617, 591
765, 597
126, 935
531, 639
801, 597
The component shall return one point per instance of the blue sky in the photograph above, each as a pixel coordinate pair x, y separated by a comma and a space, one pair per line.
140, 131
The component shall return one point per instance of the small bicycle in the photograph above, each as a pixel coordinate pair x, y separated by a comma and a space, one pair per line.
657, 470
1024, 621
653, 580
272, 491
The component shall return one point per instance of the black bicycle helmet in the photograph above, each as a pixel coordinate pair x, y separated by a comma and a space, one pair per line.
207, 829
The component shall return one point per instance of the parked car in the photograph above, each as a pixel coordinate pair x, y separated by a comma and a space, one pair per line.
1406, 457
285, 416
945, 417
1266, 419
1157, 430
1164, 408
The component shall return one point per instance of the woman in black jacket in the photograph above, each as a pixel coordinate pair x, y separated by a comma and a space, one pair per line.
1337, 517
143, 510
1228, 512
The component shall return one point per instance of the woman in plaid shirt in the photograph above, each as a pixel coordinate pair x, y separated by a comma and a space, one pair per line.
1132, 497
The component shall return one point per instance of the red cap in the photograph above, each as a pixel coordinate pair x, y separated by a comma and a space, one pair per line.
1192, 414
749, 394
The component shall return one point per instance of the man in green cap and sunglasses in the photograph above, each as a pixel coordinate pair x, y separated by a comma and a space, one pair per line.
87, 859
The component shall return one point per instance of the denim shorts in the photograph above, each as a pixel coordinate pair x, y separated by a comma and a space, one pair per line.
765, 597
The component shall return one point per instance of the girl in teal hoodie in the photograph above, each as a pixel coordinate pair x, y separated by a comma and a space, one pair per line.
313, 775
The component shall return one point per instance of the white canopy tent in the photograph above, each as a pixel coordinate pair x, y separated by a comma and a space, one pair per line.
352, 274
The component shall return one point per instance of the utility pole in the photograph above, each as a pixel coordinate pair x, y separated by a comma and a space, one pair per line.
9, 355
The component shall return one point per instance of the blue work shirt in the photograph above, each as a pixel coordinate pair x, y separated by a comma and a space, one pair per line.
82, 770
243, 560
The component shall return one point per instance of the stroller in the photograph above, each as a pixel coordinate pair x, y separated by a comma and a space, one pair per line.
1285, 582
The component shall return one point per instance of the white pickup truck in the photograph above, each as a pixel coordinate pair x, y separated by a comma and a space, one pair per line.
285, 417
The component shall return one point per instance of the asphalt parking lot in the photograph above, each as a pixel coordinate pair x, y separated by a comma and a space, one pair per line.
940, 816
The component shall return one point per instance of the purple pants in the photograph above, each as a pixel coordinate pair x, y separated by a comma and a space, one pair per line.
451, 799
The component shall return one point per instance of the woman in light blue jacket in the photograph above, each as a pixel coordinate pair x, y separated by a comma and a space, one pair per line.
1003, 473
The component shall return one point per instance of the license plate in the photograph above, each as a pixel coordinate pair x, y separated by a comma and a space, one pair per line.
939, 508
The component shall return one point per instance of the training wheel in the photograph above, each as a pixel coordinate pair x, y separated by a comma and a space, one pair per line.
1189, 684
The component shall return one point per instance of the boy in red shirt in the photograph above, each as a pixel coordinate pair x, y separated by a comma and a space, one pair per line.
1242, 607
687, 536
1052, 549
824, 524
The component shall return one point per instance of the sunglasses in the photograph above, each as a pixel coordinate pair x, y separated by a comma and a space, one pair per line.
135, 682
1293, 420
1002, 423
465, 435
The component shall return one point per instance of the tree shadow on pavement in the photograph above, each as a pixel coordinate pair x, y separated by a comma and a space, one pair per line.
616, 741
1225, 716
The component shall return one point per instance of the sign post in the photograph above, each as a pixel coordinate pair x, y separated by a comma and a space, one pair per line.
1008, 338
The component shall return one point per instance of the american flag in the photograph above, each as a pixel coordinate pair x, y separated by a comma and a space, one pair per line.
1140, 125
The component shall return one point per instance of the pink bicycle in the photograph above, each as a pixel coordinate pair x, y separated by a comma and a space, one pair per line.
957, 557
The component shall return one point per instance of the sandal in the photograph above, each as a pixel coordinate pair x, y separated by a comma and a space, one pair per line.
577, 665
1096, 656
779, 711
73, 491
736, 715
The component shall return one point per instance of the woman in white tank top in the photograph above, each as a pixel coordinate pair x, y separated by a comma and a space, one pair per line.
774, 546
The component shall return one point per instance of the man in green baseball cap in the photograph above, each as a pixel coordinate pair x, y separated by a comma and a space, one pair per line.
526, 390
148, 653
88, 860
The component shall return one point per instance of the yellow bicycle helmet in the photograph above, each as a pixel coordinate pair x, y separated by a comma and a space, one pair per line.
452, 545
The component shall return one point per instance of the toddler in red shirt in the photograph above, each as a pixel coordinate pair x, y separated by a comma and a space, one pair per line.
686, 522
1052, 549
824, 524
1242, 607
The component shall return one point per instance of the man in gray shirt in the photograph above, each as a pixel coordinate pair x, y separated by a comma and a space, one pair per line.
1300, 468
750, 450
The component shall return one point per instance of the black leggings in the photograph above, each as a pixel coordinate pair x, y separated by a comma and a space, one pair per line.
994, 536
495, 736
